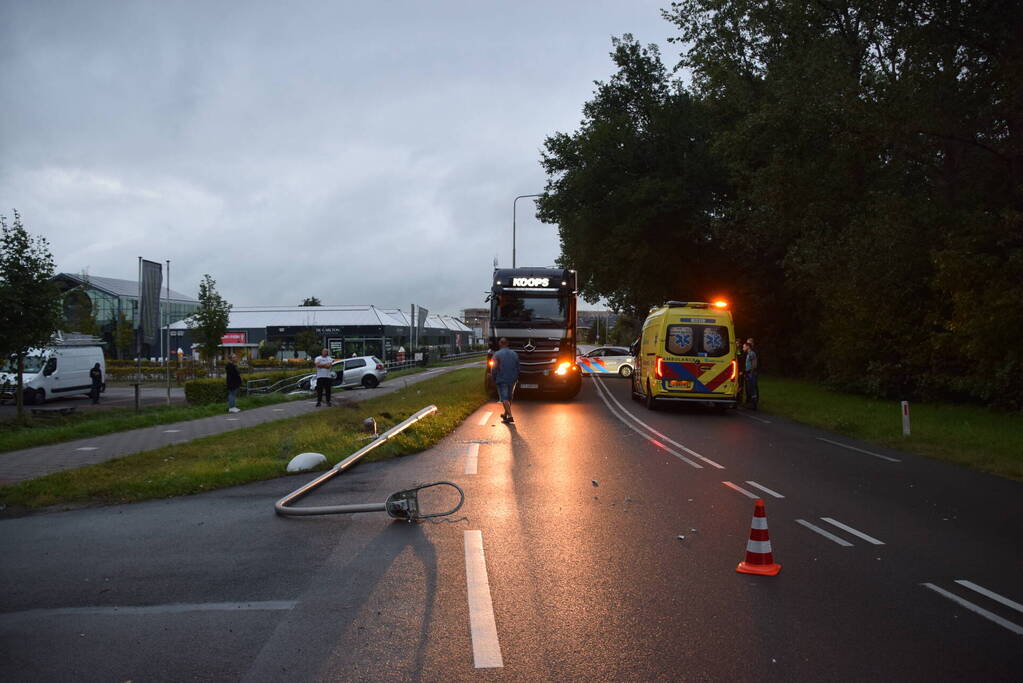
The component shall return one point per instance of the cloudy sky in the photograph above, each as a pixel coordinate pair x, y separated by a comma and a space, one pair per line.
361, 152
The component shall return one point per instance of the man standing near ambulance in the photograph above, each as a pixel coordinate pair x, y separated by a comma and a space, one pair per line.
506, 374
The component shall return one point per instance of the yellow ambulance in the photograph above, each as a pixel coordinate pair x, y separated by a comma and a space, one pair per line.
687, 353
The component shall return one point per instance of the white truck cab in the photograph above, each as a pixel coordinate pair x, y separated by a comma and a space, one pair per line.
53, 371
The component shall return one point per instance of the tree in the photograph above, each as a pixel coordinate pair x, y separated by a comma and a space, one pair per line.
634, 182
311, 301
29, 300
308, 341
79, 313
124, 336
210, 321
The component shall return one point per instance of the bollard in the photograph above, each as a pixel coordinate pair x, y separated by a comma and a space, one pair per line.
905, 418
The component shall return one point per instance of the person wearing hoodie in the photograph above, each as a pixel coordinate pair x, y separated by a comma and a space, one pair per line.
96, 375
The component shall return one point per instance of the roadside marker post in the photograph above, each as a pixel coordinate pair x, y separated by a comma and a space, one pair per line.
905, 418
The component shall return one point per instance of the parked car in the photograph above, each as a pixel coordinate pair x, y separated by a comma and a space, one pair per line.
53, 371
364, 371
607, 360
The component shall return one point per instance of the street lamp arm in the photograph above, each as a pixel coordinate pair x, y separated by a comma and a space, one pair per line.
521, 196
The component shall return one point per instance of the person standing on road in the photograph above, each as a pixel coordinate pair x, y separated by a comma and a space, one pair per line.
752, 365
234, 380
324, 378
506, 374
96, 375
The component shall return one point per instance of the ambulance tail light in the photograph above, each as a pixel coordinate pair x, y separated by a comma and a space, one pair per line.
658, 368
490, 363
735, 370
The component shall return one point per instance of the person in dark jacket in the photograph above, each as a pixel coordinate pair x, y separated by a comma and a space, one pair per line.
234, 380
96, 375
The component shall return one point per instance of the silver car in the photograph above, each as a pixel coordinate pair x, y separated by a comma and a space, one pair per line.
364, 371
607, 360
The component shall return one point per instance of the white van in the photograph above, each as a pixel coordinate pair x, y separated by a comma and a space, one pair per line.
54, 371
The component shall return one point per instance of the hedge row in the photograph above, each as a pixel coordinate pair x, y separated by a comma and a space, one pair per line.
214, 390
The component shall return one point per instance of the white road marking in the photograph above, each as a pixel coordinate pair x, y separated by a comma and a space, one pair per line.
741, 490
1004, 623
143, 610
278, 410
605, 390
991, 594
765, 489
854, 532
171, 431
485, 418
752, 417
826, 534
646, 437
88, 448
232, 419
471, 456
859, 450
486, 650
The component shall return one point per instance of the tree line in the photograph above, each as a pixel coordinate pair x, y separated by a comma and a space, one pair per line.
848, 174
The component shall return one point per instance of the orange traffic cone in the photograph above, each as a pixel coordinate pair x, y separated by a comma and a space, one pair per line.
759, 559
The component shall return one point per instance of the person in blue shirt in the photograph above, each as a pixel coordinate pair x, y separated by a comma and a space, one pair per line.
506, 374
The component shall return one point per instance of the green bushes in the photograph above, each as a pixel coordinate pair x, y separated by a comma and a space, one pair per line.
214, 390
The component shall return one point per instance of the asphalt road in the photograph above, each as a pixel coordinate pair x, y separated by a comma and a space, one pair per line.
565, 563
113, 397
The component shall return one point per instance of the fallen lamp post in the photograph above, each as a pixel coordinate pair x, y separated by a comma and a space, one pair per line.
402, 504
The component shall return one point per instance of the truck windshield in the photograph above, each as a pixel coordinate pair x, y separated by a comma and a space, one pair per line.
33, 364
512, 308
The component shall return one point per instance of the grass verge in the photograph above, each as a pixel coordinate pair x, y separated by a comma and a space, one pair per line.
978, 438
41, 431
261, 452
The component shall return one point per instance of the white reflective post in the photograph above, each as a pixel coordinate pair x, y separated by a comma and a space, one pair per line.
905, 418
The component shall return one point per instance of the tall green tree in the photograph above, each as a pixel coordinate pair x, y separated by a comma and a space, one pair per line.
632, 190
124, 336
29, 300
211, 319
311, 301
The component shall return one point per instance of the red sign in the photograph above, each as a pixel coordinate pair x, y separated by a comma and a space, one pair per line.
235, 338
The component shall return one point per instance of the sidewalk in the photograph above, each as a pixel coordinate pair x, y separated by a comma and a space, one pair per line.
35, 462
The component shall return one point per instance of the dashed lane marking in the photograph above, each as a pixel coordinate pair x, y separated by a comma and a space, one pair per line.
171, 431
991, 594
485, 418
753, 417
765, 489
741, 490
976, 609
471, 457
232, 419
854, 532
87, 448
605, 390
486, 649
858, 450
826, 534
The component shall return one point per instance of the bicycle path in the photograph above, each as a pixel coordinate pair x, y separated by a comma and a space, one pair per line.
29, 463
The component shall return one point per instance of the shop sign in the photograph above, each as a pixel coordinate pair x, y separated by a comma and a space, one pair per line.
235, 338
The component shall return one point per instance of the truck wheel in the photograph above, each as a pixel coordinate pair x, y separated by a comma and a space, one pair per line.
651, 402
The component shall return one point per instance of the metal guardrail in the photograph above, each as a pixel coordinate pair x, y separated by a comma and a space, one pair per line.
460, 356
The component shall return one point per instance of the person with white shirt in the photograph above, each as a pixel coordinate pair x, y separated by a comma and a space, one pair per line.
324, 376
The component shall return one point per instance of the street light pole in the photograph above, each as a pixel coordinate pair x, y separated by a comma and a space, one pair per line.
521, 196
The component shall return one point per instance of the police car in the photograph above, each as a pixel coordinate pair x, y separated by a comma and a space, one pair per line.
607, 360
